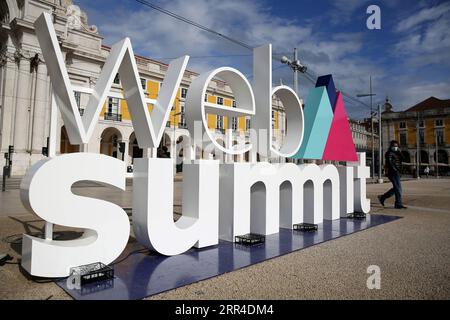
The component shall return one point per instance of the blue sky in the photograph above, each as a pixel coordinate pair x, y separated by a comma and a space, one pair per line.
408, 58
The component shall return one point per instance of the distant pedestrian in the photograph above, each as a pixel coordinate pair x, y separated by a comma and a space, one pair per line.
393, 162
427, 171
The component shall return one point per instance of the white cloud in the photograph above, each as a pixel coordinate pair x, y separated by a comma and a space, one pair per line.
425, 36
156, 35
419, 92
424, 15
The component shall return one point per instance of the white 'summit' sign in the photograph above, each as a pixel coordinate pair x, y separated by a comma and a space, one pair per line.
218, 198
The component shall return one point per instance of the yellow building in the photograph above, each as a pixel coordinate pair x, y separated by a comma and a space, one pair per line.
115, 127
423, 132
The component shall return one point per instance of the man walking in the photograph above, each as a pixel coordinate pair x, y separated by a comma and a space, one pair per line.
427, 171
393, 162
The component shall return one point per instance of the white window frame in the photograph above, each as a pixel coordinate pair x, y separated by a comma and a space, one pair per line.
439, 125
247, 124
77, 95
234, 123
185, 91
118, 79
111, 103
219, 122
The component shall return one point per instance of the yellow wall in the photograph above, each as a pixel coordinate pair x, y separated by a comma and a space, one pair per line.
429, 131
241, 123
103, 109
411, 132
124, 110
174, 120
152, 89
447, 131
212, 117
152, 92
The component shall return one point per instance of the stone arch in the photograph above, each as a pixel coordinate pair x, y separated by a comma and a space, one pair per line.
164, 148
133, 148
424, 157
4, 12
109, 142
64, 144
442, 157
406, 157
8, 10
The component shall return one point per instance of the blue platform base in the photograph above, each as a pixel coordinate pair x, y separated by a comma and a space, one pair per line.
145, 274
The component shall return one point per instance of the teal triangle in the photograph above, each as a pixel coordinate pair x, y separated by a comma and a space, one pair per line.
318, 115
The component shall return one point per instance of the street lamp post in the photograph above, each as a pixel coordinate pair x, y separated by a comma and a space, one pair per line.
296, 66
371, 94
436, 153
418, 146
380, 149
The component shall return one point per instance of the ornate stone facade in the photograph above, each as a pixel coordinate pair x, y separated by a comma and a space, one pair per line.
25, 88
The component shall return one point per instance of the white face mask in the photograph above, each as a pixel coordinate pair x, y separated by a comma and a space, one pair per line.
394, 148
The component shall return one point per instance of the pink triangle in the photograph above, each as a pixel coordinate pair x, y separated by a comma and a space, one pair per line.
340, 146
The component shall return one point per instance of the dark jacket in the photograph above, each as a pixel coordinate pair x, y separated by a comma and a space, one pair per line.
393, 162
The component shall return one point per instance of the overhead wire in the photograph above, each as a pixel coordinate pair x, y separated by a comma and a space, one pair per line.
309, 75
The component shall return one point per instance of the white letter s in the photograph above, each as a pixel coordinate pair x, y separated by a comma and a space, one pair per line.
46, 191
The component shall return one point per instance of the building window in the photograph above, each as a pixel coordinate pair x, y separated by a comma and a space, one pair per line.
113, 111
183, 92
247, 124
144, 83
220, 100
403, 139
440, 136
116, 79
77, 95
439, 123
113, 106
402, 125
234, 123
273, 119
421, 136
78, 98
206, 97
234, 103
421, 124
219, 122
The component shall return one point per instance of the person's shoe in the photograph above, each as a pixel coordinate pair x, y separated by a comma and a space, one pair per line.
380, 198
401, 207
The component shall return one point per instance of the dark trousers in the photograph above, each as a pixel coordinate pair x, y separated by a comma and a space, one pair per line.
395, 190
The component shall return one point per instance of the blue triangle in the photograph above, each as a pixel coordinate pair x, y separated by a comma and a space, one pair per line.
318, 117
327, 81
